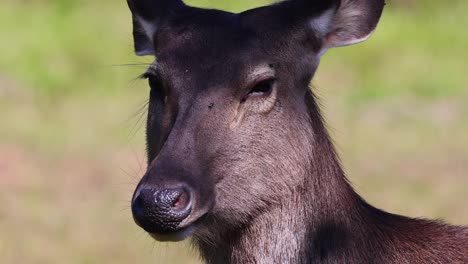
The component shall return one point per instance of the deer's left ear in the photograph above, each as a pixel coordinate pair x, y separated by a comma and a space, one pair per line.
346, 22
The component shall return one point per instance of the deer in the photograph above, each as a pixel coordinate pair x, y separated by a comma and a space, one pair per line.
239, 158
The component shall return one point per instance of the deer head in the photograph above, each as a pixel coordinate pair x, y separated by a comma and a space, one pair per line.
232, 127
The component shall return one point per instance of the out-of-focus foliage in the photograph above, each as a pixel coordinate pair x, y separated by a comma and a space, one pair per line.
72, 118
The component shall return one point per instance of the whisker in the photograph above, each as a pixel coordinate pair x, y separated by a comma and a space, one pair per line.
140, 167
126, 65
132, 177
139, 123
143, 107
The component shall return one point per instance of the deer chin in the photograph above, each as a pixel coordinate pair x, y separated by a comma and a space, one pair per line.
185, 230
176, 236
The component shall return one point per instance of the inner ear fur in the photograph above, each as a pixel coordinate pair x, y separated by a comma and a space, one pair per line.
353, 21
337, 22
147, 16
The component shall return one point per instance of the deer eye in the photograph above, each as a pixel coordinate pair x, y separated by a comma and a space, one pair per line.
157, 88
260, 89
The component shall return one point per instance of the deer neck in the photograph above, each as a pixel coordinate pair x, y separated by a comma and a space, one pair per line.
302, 229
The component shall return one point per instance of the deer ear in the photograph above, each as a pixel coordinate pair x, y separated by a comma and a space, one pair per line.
347, 22
147, 16
143, 37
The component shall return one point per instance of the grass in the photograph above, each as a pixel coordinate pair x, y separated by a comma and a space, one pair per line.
71, 136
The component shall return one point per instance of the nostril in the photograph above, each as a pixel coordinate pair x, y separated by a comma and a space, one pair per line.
182, 201
175, 200
161, 211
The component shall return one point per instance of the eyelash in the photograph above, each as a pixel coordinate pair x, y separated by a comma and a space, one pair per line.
156, 86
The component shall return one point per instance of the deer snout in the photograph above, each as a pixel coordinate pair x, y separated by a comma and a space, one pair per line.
161, 211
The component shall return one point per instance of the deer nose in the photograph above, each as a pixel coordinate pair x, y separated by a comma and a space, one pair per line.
161, 211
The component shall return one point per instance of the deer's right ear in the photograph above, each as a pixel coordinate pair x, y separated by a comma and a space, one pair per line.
147, 16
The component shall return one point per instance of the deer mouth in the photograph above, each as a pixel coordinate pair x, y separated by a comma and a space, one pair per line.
176, 236
182, 233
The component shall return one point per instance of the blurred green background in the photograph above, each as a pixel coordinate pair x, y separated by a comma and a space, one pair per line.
72, 123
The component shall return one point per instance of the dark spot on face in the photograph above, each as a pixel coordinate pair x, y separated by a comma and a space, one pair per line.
210, 106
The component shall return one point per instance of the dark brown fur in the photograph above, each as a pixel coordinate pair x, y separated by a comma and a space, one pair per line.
338, 227
266, 183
